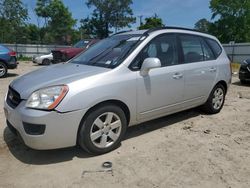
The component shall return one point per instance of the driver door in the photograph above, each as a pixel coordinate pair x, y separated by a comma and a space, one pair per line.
161, 91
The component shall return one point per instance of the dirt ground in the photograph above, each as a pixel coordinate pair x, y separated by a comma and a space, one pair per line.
188, 149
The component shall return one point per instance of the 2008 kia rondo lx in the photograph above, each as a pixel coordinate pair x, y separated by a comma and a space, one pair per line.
126, 79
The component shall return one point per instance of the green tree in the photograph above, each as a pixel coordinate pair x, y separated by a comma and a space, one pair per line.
94, 27
203, 25
13, 16
152, 22
108, 15
32, 33
232, 20
61, 22
42, 10
58, 21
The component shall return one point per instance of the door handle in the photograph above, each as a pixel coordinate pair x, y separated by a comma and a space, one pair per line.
177, 76
212, 69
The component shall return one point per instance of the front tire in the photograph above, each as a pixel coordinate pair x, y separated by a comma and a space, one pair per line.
46, 62
3, 70
216, 100
103, 129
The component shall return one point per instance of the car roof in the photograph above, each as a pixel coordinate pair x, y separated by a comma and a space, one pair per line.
178, 29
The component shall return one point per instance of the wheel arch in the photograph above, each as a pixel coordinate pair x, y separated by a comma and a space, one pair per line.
2, 60
224, 84
118, 103
43, 61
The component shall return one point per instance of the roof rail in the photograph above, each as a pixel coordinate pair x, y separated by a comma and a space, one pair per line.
121, 32
170, 27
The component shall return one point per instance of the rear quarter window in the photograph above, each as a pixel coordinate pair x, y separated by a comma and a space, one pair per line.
215, 47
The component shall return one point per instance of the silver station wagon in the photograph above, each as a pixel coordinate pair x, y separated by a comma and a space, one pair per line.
123, 80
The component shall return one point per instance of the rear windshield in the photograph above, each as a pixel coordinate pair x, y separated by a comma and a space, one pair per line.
4, 48
109, 52
248, 61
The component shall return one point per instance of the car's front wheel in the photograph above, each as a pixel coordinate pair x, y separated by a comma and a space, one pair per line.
3, 70
46, 62
103, 129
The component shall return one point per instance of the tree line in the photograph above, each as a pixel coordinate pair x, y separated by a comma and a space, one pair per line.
230, 21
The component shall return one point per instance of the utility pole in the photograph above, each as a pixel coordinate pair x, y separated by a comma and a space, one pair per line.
140, 17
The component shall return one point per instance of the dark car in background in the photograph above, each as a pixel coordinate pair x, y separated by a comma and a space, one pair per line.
244, 73
8, 60
65, 54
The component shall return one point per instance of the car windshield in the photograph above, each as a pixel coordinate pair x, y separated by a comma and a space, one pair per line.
81, 44
248, 61
109, 52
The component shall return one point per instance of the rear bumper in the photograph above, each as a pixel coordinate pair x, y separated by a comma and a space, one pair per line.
12, 66
48, 130
12, 63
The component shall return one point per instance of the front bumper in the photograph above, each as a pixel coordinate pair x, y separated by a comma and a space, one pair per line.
37, 60
244, 75
60, 128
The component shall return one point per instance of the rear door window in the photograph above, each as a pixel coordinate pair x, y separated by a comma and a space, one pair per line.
192, 48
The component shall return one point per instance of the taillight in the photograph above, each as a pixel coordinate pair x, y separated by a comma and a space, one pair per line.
12, 53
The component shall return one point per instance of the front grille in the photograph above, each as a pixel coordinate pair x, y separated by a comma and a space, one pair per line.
13, 98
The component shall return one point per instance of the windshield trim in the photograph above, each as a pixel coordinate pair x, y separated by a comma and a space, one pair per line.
141, 38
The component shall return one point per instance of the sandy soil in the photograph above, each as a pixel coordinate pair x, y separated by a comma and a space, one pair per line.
188, 149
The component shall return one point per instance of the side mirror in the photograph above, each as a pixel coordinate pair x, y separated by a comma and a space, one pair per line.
149, 63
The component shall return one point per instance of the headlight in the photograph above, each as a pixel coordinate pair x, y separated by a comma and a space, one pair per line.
47, 98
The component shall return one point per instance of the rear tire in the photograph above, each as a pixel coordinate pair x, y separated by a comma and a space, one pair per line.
216, 100
103, 129
3, 70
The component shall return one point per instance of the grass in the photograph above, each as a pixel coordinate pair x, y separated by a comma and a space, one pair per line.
24, 58
235, 67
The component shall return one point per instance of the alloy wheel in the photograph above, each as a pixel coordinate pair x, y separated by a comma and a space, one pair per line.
2, 70
105, 130
218, 98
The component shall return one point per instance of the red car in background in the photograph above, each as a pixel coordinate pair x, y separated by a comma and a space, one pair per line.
65, 54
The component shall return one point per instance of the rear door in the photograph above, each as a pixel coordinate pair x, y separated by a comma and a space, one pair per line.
200, 68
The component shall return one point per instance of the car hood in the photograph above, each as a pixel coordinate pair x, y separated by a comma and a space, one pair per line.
53, 75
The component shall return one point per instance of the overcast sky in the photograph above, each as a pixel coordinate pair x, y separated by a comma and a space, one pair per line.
183, 13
